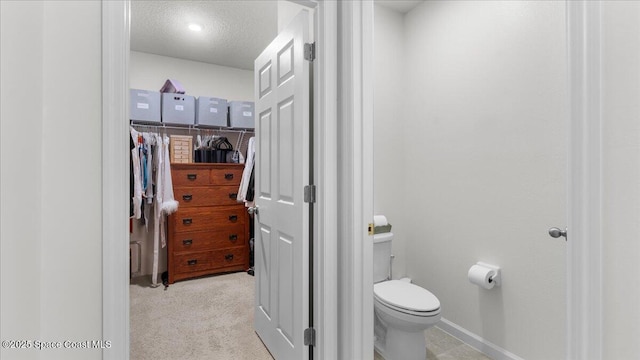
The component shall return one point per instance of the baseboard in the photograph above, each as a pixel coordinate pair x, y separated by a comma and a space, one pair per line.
491, 350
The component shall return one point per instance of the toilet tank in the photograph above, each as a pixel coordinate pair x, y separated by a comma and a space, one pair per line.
381, 256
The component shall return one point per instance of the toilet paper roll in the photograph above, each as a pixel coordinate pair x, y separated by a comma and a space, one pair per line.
380, 220
481, 276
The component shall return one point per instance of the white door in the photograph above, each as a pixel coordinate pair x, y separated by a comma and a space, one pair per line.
282, 170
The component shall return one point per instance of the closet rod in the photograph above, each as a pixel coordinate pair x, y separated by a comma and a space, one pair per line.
190, 127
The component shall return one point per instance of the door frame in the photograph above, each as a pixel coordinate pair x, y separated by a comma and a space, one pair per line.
584, 188
584, 263
584, 146
355, 179
115, 175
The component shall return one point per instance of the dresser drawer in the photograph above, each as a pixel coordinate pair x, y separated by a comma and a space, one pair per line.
207, 218
227, 176
189, 177
230, 236
206, 196
207, 260
209, 233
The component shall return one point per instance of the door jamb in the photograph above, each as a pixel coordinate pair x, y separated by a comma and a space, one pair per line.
115, 176
584, 245
115, 173
325, 169
355, 179
584, 260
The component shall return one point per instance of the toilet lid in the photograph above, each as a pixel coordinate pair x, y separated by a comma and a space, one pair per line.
406, 295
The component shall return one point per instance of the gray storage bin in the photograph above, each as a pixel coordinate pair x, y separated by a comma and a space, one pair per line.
178, 109
144, 105
211, 111
241, 114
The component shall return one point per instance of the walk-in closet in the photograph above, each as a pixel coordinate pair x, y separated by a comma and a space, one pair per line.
192, 134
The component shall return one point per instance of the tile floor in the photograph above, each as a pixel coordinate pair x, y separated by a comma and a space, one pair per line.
442, 346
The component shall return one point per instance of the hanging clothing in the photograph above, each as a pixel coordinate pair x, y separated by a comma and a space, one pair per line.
165, 203
169, 203
131, 180
137, 181
251, 187
248, 168
152, 187
149, 142
157, 213
249, 201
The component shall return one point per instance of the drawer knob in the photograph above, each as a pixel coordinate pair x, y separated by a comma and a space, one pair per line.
228, 257
187, 242
187, 197
228, 176
192, 176
233, 195
233, 218
233, 237
187, 221
192, 262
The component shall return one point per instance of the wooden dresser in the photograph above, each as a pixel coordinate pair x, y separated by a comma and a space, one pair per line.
210, 231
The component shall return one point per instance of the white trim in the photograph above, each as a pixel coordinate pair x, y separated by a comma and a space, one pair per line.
366, 182
115, 37
491, 350
325, 177
355, 179
325, 152
307, 3
115, 178
584, 261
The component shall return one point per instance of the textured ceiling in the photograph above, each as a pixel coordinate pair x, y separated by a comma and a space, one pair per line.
403, 6
234, 34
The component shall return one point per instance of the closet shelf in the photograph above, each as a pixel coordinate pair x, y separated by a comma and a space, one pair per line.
188, 127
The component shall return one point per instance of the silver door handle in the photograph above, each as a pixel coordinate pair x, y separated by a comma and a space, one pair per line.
253, 210
556, 233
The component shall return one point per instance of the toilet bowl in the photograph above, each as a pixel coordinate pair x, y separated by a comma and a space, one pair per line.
402, 310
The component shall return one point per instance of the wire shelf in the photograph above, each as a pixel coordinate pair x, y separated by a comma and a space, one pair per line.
234, 135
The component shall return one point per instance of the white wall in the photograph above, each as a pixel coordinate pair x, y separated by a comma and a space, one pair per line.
21, 116
51, 174
149, 72
621, 180
390, 197
287, 10
71, 176
485, 117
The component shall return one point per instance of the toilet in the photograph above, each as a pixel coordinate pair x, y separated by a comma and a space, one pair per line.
402, 310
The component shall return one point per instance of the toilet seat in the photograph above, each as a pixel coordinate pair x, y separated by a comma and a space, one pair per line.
424, 314
406, 298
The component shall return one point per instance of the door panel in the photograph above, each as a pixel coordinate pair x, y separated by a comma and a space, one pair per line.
282, 170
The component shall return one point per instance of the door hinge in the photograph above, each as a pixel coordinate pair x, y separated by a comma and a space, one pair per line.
310, 194
309, 337
310, 51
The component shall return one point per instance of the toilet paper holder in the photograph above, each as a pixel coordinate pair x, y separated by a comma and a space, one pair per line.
497, 277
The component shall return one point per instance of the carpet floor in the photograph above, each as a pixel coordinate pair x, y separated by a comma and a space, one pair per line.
212, 318
206, 318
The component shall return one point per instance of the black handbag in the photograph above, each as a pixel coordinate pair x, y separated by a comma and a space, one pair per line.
221, 147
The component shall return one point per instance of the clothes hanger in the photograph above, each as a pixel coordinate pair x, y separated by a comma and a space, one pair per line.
236, 153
